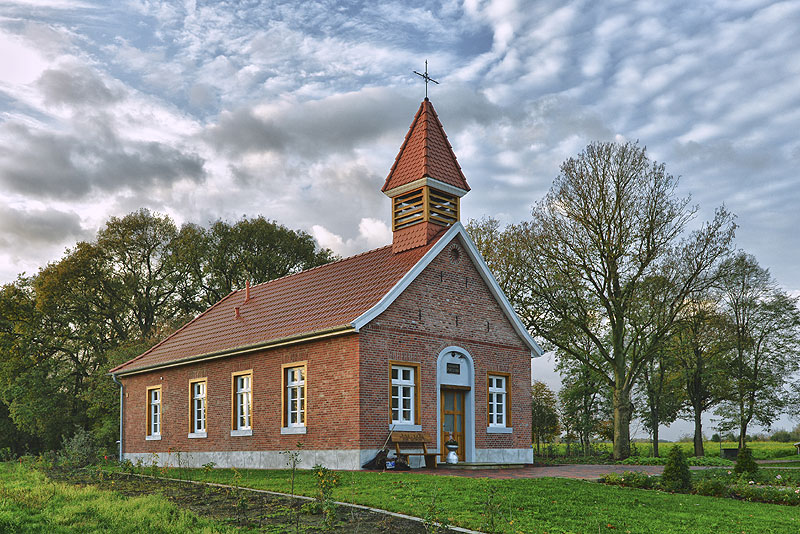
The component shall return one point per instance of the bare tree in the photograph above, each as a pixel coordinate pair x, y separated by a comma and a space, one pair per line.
606, 256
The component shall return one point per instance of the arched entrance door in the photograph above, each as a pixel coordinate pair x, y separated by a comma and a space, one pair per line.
455, 381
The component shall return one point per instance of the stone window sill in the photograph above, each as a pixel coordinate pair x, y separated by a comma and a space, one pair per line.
153, 437
293, 430
499, 430
194, 435
242, 432
405, 427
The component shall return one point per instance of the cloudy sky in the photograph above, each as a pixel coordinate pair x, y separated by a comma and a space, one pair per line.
295, 110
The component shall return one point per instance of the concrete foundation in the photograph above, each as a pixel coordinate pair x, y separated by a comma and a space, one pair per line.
351, 459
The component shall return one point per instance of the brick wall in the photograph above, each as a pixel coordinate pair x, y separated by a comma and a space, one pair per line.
449, 304
332, 390
348, 376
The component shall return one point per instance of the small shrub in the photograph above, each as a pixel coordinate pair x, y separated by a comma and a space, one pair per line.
79, 450
326, 481
676, 476
127, 467
745, 464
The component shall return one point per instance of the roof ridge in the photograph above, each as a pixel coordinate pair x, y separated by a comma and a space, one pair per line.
426, 138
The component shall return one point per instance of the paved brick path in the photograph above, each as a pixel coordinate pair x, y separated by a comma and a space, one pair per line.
563, 471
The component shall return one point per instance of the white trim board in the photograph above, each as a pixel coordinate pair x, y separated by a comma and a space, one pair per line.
430, 182
457, 230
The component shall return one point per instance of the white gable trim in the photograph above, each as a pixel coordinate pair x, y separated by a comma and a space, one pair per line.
456, 230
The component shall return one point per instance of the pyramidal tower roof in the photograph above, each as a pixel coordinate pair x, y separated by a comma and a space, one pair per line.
426, 153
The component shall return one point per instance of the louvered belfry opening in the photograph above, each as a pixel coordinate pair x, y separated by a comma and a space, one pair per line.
409, 209
422, 205
442, 207
425, 183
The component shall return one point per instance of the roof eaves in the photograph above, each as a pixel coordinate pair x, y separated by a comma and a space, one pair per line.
244, 349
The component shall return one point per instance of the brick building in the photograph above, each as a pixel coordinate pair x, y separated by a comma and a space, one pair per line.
416, 335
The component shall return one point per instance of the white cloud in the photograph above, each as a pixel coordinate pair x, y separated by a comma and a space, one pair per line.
372, 233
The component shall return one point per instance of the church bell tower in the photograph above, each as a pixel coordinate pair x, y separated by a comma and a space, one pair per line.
425, 183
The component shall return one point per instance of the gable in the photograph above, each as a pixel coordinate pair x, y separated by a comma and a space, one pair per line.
458, 234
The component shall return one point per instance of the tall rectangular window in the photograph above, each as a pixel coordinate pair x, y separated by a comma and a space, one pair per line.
498, 401
197, 389
294, 395
154, 412
404, 394
242, 400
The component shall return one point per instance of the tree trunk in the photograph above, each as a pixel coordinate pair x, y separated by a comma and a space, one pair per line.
622, 423
742, 433
698, 433
655, 440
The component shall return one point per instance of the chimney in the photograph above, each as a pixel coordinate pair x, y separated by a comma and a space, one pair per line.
247, 291
236, 311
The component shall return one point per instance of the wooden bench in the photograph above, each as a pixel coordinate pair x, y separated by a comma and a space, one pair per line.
416, 440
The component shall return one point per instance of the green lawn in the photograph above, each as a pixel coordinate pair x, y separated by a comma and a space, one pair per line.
532, 505
29, 503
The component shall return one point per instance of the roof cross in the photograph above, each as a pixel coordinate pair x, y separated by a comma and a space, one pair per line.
426, 78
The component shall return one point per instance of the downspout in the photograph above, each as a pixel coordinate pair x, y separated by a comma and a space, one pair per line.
121, 400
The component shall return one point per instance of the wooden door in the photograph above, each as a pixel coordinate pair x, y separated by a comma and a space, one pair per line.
452, 402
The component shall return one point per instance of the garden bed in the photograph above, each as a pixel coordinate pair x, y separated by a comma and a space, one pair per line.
243, 507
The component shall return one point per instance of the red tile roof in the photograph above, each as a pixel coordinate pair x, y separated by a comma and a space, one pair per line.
425, 152
321, 298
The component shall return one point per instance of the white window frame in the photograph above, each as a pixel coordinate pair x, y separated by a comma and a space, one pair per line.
295, 391
242, 403
401, 389
198, 408
498, 396
155, 413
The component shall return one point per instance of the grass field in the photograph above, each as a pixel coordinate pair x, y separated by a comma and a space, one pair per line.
30, 503
762, 450
531, 505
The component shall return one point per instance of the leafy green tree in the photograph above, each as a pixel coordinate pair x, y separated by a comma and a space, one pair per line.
544, 408
140, 250
257, 250
781, 436
699, 346
101, 396
765, 329
108, 300
659, 391
606, 256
